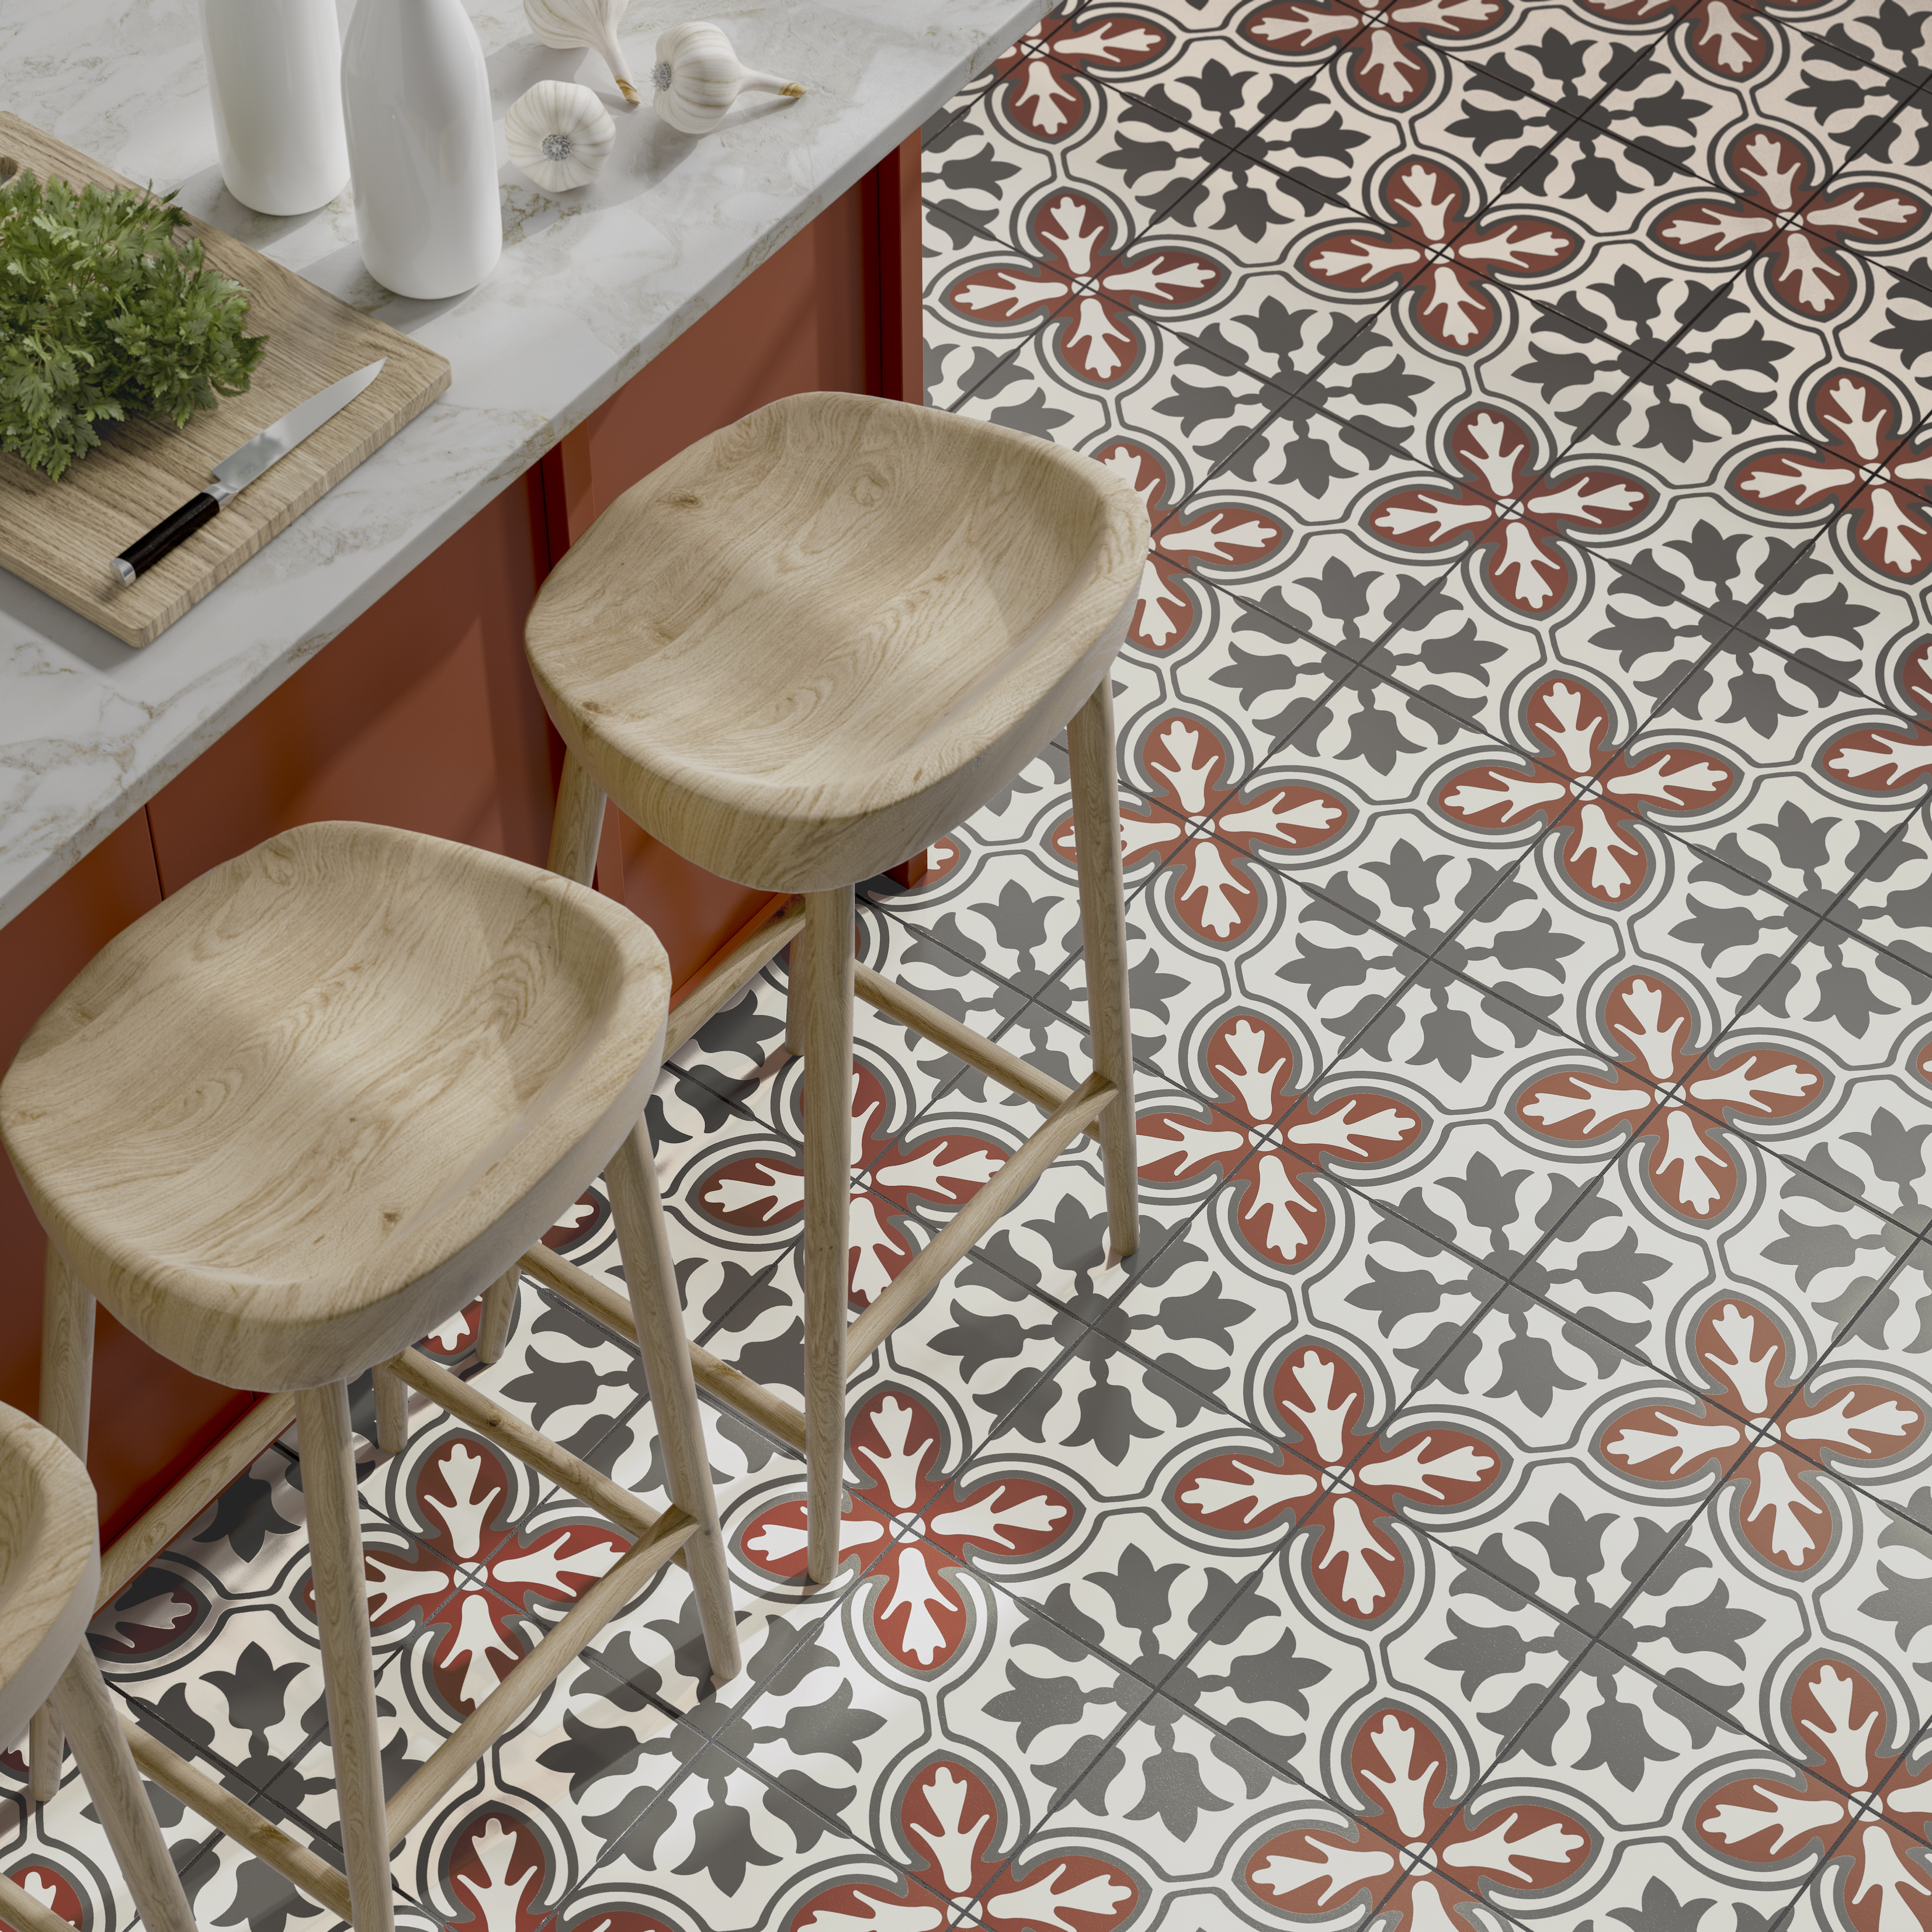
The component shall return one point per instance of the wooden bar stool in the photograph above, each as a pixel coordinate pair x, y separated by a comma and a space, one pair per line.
298, 1115
800, 651
49, 1570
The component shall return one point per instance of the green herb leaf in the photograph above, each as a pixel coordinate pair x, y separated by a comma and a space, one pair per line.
105, 313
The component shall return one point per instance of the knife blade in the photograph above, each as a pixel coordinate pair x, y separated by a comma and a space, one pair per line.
236, 471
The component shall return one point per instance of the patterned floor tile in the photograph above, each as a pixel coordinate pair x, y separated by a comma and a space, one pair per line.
1618, 1788
1497, 1493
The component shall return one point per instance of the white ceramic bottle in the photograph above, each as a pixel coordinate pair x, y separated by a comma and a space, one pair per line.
275, 75
421, 146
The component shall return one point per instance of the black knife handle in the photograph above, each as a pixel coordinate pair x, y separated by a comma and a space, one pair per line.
144, 552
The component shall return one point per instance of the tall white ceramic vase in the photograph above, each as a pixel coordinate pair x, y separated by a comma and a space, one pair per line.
275, 75
421, 146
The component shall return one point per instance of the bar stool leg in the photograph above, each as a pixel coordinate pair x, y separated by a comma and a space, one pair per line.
348, 1672
88, 1713
578, 823
67, 1388
1103, 928
499, 1303
828, 1199
392, 1412
632, 1177
798, 979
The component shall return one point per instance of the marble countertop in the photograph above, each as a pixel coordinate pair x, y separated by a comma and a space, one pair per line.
592, 284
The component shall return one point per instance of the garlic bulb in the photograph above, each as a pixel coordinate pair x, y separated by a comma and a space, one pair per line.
559, 134
697, 77
584, 23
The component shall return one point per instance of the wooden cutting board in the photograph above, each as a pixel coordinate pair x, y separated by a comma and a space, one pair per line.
63, 537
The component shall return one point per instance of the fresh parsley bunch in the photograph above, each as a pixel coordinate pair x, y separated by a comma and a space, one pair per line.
104, 314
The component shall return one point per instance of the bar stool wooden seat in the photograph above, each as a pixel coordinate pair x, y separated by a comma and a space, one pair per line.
297, 1116
801, 650
50, 1567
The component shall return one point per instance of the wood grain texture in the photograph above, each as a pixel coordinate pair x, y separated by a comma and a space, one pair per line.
25, 1913
658, 1316
737, 970
783, 1421
115, 1786
511, 1433
151, 1532
827, 1111
67, 1391
923, 1017
539, 1668
817, 640
392, 1411
1006, 1190
203, 1796
348, 1669
499, 1303
579, 823
49, 1563
1103, 930
311, 1104
62, 537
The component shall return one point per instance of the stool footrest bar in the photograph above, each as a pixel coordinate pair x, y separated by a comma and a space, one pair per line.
1018, 1076
929, 1266
23, 1911
782, 1421
538, 1670
244, 1824
157, 1526
731, 975
528, 1445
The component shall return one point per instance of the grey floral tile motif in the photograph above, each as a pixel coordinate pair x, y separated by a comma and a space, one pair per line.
1497, 1494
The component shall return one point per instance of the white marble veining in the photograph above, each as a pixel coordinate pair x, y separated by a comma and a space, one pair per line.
592, 284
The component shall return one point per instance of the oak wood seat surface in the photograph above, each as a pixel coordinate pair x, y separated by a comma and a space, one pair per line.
310, 1105
814, 642
49, 1565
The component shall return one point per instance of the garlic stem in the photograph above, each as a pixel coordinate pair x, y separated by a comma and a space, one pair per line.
620, 68
769, 83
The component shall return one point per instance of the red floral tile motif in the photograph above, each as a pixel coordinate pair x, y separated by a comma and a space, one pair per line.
1351, 1481
1839, 1720
1229, 533
1522, 520
1224, 829
1863, 458
1593, 798
494, 1870
1093, 337
1725, 37
50, 1888
1890, 757
765, 1192
1043, 93
1448, 263
1279, 1212
1802, 232
474, 1574
1689, 1170
950, 1821
1397, 1785
1785, 1515
917, 1616
1385, 52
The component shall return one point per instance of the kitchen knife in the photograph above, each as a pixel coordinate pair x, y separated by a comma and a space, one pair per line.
237, 471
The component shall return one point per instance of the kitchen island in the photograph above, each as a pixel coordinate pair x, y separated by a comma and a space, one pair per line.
368, 663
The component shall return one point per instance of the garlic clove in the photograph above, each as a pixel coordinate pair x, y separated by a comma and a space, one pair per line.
698, 76
559, 135
584, 23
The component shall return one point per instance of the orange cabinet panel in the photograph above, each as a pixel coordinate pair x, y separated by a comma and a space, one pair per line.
422, 714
